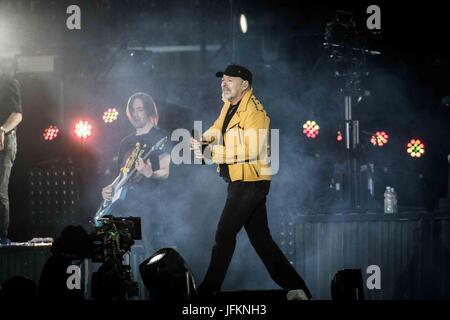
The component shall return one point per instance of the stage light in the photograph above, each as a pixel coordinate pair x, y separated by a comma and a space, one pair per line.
110, 115
157, 257
339, 136
380, 138
416, 148
50, 133
83, 129
167, 277
311, 129
243, 23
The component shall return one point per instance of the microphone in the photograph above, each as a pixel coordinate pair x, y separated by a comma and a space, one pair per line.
198, 136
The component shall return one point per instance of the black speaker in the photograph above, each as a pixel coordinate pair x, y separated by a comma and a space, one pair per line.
347, 285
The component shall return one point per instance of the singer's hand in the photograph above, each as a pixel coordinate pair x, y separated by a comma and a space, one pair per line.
196, 146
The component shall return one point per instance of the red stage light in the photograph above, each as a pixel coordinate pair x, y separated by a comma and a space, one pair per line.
416, 148
50, 133
110, 115
380, 138
311, 129
83, 129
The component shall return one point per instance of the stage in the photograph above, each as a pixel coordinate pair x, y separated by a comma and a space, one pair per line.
411, 250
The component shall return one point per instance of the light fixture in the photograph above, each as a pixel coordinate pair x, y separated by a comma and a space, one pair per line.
380, 138
110, 115
243, 23
167, 277
415, 148
50, 133
311, 129
83, 129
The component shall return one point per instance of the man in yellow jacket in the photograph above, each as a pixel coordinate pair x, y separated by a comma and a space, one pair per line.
242, 159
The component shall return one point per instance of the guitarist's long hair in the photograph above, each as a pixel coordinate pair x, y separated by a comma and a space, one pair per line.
149, 106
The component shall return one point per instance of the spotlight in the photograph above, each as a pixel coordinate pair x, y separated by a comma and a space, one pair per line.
83, 129
50, 133
110, 115
380, 138
167, 277
311, 129
157, 257
416, 148
243, 23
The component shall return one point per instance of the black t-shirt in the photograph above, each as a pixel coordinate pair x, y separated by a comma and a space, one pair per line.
146, 141
144, 187
224, 172
10, 100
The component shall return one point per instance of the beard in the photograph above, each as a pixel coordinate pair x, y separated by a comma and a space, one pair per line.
226, 95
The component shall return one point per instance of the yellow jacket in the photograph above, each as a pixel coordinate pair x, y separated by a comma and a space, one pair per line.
246, 141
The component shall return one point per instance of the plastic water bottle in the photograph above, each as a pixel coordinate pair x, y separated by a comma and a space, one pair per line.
390, 200
394, 200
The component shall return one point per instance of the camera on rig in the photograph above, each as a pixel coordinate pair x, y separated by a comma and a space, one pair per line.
114, 236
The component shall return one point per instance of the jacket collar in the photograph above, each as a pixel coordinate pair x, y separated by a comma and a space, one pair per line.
242, 107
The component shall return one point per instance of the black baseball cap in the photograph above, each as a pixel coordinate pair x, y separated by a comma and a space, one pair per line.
235, 70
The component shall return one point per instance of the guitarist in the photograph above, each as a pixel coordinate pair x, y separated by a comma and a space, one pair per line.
143, 197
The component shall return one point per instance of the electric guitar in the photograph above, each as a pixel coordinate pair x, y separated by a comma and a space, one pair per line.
122, 181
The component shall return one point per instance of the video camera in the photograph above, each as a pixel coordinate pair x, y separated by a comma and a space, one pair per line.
114, 237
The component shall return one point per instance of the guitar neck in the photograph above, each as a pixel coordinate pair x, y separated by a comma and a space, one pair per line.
133, 171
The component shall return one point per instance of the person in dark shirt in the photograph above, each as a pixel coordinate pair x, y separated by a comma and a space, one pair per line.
10, 117
143, 195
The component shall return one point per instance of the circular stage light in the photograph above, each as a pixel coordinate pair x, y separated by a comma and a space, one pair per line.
311, 129
110, 115
380, 138
416, 148
83, 129
50, 133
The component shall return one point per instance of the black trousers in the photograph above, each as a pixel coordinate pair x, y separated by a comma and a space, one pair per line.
7, 156
246, 207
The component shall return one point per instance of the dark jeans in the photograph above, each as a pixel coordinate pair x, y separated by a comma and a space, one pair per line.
7, 156
246, 207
